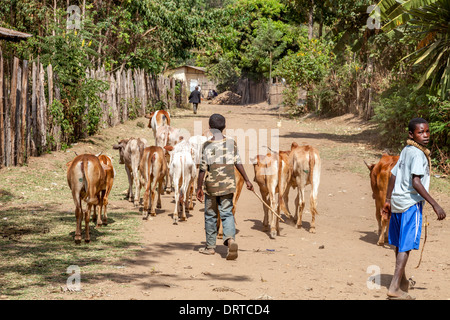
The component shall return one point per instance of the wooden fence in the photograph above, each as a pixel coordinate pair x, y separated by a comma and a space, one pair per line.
251, 91
27, 89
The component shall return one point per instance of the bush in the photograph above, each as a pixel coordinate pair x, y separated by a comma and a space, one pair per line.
306, 67
398, 105
336, 93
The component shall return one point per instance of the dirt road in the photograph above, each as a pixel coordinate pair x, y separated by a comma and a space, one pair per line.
334, 263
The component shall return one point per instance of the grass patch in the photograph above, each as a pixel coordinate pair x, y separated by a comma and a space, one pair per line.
37, 226
37, 247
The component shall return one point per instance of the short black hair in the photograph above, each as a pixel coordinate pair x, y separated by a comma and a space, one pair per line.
217, 121
414, 122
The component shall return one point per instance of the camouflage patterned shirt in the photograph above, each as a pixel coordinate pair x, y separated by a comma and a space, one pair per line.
218, 160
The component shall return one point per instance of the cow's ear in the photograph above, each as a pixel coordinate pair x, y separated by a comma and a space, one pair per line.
168, 148
69, 163
116, 146
294, 145
149, 115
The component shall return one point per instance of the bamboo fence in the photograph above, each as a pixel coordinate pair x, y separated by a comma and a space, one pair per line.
27, 89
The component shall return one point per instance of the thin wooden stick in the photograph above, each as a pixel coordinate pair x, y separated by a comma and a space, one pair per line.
267, 205
424, 240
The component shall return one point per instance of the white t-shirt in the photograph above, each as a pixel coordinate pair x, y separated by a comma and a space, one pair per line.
412, 161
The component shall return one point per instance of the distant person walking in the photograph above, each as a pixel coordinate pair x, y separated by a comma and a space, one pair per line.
195, 98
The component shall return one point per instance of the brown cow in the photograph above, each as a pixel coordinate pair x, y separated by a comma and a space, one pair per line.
153, 169
87, 180
379, 180
266, 176
110, 174
130, 151
299, 168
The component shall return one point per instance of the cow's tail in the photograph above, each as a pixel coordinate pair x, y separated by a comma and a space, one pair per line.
166, 138
79, 197
152, 170
87, 182
167, 118
282, 187
152, 164
312, 161
314, 178
185, 184
148, 169
164, 119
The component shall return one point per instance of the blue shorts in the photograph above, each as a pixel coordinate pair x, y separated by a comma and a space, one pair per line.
405, 228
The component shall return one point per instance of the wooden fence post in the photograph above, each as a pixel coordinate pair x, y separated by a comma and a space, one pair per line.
13, 104
51, 121
57, 131
42, 110
33, 125
124, 98
24, 102
2, 110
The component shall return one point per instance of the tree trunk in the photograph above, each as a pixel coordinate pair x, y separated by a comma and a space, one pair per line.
311, 20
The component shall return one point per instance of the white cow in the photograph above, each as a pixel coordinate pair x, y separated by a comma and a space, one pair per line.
196, 143
167, 136
183, 173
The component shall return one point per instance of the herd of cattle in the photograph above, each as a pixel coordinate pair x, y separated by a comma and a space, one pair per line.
172, 164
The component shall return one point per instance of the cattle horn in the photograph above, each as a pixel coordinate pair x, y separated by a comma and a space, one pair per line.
274, 151
370, 167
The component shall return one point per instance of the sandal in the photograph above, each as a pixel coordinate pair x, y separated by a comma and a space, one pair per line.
403, 296
207, 251
232, 250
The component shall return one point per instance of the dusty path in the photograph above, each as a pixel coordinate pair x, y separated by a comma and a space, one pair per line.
334, 263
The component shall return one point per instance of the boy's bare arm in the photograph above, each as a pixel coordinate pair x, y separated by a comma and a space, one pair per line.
201, 176
386, 211
417, 184
241, 170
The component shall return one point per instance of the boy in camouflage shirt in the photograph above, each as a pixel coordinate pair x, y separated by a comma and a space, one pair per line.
219, 158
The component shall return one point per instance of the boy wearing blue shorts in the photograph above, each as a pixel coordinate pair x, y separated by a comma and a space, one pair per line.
407, 191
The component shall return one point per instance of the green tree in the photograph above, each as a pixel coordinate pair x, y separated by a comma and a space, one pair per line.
265, 47
430, 26
249, 36
306, 66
